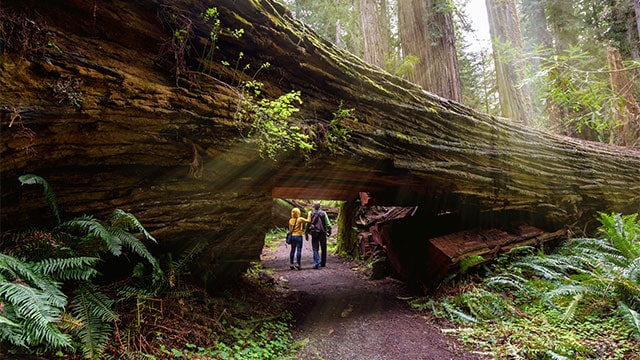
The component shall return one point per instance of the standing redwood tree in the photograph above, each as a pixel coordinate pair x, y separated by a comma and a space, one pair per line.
507, 51
374, 39
627, 111
426, 31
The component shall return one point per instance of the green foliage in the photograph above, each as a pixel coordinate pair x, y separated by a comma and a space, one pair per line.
37, 313
210, 16
580, 302
268, 123
467, 262
338, 134
32, 305
571, 82
68, 90
268, 338
30, 179
93, 308
406, 66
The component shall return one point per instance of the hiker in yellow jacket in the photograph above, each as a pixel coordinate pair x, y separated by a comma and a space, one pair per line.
296, 226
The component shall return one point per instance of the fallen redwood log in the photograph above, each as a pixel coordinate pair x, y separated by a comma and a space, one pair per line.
447, 253
100, 117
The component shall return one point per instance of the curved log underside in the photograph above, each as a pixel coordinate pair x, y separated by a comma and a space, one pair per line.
174, 157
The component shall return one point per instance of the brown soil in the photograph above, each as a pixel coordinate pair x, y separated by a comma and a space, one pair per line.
345, 315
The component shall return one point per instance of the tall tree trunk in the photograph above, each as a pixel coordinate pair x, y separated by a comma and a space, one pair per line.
633, 27
537, 39
636, 6
426, 31
627, 111
504, 26
385, 24
347, 236
372, 33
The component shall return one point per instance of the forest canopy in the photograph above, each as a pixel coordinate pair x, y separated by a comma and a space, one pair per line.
567, 66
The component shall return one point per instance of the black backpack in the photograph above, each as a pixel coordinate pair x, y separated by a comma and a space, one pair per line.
317, 223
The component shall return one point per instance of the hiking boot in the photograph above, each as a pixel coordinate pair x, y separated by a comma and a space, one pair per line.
317, 267
297, 266
291, 267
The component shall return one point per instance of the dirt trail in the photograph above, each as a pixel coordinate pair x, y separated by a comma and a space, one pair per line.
347, 316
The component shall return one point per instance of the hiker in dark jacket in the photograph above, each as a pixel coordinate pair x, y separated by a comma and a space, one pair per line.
319, 228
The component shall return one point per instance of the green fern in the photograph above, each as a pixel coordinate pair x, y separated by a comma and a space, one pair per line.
30, 179
580, 283
31, 291
33, 303
632, 318
93, 308
624, 233
89, 231
77, 268
126, 221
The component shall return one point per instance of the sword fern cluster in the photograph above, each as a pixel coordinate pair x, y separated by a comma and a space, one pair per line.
36, 314
548, 303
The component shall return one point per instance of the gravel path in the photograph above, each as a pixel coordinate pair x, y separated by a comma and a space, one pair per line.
344, 315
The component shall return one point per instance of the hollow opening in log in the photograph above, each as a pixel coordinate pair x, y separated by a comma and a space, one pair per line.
428, 241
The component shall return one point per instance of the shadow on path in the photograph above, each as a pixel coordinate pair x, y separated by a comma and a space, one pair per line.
344, 315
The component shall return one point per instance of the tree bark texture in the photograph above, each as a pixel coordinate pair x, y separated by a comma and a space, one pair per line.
504, 27
372, 33
95, 110
636, 7
627, 110
426, 31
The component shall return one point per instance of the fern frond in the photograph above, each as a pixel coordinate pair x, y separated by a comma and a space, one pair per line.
30, 179
506, 280
571, 309
133, 243
129, 240
77, 268
569, 290
482, 304
458, 315
8, 322
623, 231
591, 246
127, 221
627, 290
555, 356
188, 256
93, 308
36, 314
539, 269
93, 230
15, 270
634, 271
632, 318
131, 292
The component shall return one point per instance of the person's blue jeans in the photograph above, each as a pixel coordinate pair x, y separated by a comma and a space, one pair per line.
296, 244
319, 243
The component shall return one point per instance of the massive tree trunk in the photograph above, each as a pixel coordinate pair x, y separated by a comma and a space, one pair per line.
636, 7
374, 51
627, 110
426, 31
89, 103
504, 26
